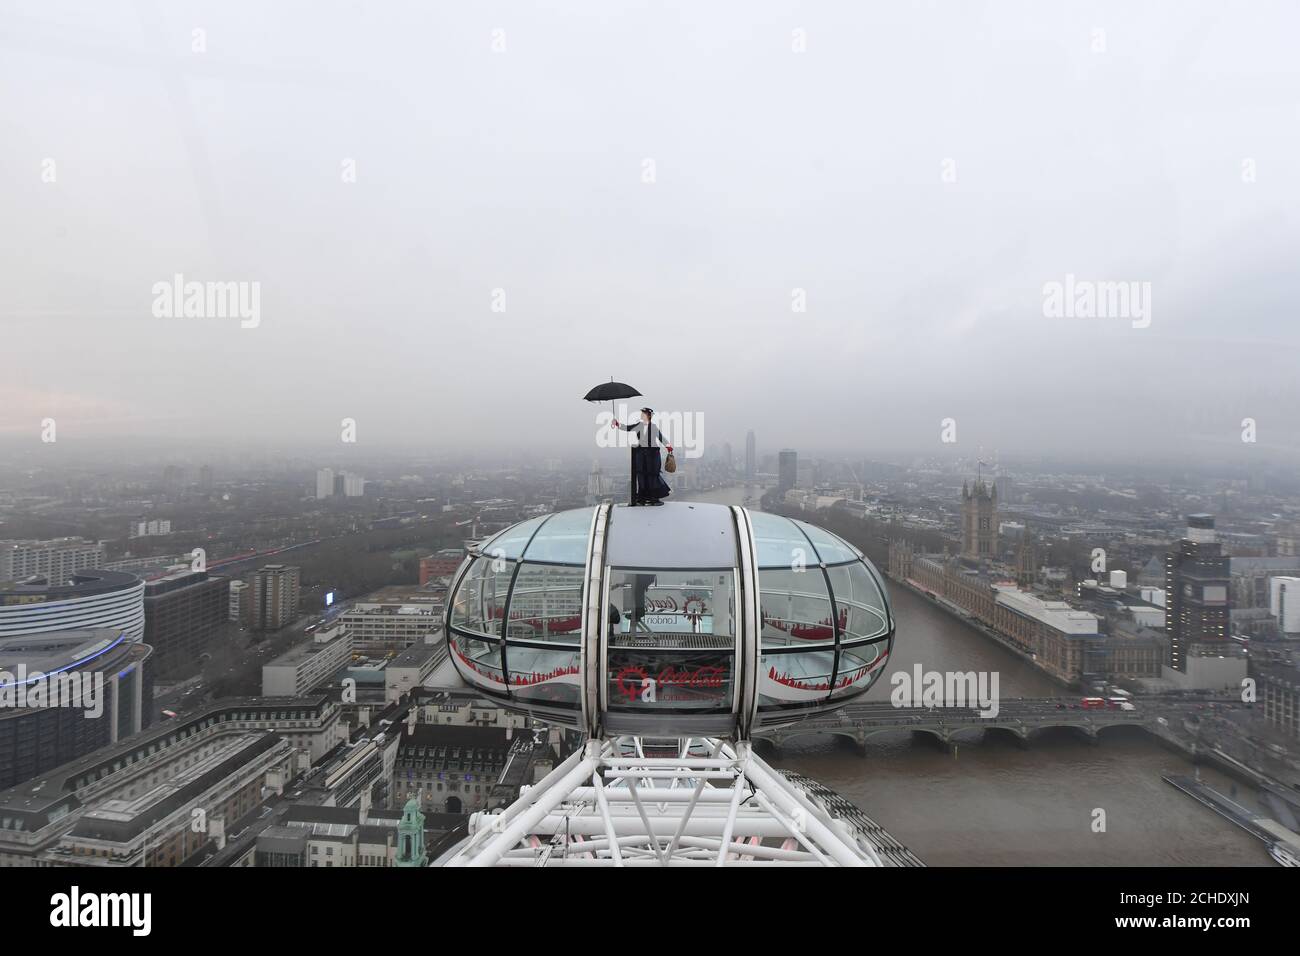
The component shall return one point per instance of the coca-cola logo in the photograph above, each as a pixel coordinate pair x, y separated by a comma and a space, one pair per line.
699, 677
635, 683
630, 681
692, 606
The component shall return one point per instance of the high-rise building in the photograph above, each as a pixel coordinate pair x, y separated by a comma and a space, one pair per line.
751, 455
979, 520
57, 560
1284, 603
331, 483
183, 612
787, 469
275, 590
325, 483
1197, 583
239, 601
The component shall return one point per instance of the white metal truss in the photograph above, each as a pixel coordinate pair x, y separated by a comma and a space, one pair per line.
715, 803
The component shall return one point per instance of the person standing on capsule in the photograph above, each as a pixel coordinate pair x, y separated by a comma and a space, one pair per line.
648, 486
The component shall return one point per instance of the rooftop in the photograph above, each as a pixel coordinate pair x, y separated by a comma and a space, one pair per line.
1056, 614
84, 583
53, 651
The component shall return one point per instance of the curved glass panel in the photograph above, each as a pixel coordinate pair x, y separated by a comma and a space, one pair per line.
551, 678
796, 609
672, 641
795, 678
479, 662
479, 602
546, 609
860, 665
563, 539
831, 548
779, 543
510, 543
859, 602
546, 605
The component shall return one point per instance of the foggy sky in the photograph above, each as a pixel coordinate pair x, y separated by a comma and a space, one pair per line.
522, 170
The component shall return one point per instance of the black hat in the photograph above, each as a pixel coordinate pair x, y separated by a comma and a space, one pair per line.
649, 411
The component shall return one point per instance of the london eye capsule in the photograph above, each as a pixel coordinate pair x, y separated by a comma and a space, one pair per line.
688, 620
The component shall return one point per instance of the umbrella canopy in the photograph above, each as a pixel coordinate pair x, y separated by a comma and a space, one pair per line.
608, 391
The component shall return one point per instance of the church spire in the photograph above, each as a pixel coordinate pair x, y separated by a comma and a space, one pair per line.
410, 836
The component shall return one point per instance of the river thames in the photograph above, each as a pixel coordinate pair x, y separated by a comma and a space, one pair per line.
994, 802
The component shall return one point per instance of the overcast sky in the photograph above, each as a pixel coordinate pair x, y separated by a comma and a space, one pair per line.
919, 170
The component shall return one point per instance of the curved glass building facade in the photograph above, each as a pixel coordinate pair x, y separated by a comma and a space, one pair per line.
688, 619
91, 598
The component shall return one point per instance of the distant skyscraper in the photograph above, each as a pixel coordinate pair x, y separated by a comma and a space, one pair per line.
325, 483
331, 483
1197, 580
751, 455
728, 460
1284, 603
787, 469
274, 602
979, 520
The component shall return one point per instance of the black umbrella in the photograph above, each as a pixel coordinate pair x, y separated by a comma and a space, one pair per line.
607, 392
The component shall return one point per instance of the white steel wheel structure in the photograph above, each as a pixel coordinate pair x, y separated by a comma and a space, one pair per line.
666, 635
